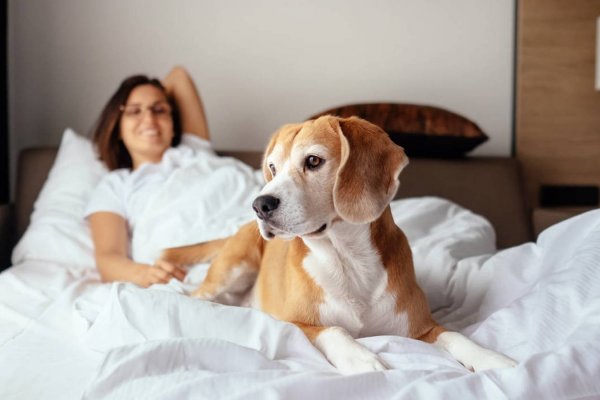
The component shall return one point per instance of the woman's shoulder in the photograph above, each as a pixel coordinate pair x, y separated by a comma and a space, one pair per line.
117, 177
195, 142
190, 147
119, 174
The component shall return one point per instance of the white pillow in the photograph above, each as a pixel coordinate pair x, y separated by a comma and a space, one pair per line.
58, 215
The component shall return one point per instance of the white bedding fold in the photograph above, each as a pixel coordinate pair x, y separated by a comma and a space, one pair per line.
64, 334
541, 306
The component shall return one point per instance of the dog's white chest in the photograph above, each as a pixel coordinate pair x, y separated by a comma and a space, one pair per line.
355, 287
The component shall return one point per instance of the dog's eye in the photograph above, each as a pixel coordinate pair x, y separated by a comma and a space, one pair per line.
313, 162
272, 168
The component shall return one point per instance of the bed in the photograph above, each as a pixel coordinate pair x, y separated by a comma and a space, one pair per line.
64, 334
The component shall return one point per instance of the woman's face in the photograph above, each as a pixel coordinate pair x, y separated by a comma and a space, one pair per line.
146, 125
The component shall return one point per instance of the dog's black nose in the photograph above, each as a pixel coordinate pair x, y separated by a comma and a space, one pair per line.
264, 206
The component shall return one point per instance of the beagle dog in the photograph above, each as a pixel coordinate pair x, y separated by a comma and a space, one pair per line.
325, 253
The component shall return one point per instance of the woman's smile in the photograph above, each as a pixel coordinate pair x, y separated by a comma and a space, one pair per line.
146, 125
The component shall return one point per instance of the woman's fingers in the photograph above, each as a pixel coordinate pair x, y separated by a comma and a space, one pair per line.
179, 273
160, 275
173, 270
161, 272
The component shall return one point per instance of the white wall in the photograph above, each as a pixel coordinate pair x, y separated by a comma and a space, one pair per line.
261, 63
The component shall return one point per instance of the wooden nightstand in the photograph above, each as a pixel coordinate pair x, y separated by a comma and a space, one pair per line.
545, 217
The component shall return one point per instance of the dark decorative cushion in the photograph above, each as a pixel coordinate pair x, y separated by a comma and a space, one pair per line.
423, 131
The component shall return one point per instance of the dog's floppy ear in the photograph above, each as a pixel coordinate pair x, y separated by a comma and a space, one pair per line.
278, 136
367, 178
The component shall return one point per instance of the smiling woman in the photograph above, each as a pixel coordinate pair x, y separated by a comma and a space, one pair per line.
138, 137
126, 136
146, 135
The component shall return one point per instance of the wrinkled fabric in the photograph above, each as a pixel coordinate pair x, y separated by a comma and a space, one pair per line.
63, 334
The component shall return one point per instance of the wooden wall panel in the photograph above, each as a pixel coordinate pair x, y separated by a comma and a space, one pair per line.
557, 106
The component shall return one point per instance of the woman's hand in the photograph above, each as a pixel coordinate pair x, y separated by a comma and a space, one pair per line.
161, 272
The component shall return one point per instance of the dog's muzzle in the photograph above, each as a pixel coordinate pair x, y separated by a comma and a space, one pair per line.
264, 206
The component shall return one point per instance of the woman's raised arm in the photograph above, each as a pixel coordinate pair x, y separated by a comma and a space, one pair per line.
181, 87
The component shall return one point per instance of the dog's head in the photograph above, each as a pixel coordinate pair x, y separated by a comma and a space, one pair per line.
323, 170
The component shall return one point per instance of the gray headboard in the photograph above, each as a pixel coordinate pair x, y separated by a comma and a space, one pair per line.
489, 186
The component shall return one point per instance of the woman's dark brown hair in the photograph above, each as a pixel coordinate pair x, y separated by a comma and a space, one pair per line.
107, 132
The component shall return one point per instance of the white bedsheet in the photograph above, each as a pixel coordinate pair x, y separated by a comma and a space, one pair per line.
63, 334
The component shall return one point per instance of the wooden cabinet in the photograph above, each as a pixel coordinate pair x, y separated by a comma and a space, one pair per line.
557, 105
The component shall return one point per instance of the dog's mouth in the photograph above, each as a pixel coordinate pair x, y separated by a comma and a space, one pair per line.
270, 230
320, 230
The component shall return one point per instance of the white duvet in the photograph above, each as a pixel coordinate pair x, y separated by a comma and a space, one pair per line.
65, 335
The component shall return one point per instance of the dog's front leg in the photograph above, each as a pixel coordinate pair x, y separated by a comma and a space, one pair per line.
467, 352
227, 283
470, 354
193, 254
233, 272
342, 350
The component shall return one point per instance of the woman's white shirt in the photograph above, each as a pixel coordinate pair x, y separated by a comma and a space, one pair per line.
127, 193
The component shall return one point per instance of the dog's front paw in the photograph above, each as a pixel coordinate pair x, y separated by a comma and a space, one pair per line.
346, 354
203, 294
470, 354
489, 359
358, 361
